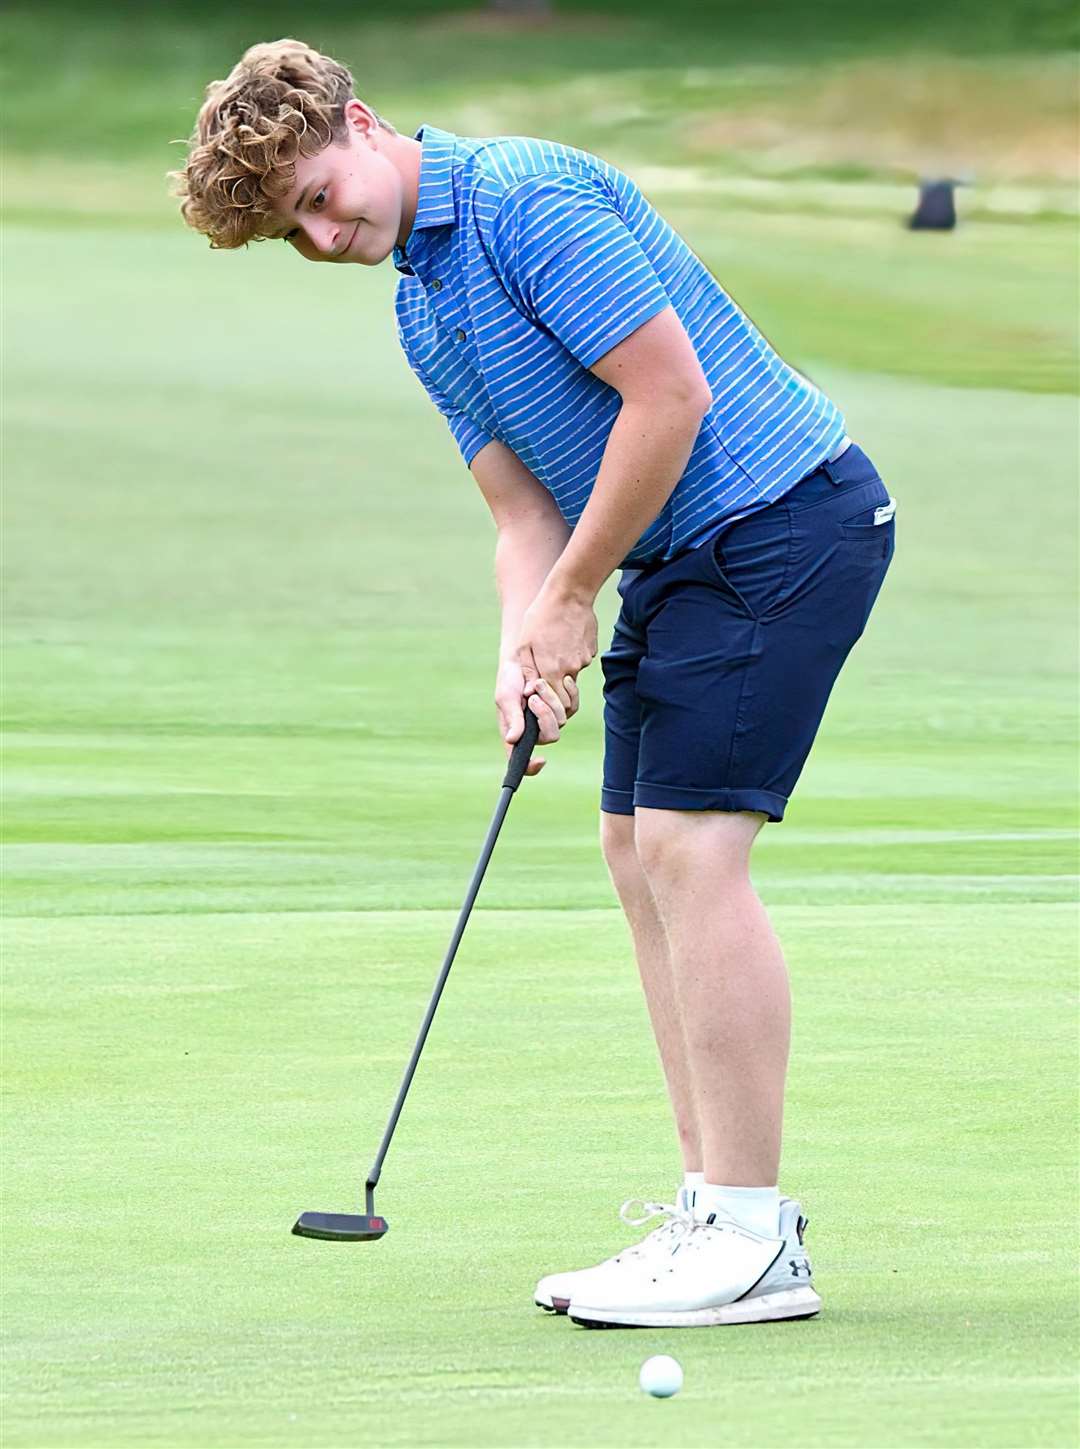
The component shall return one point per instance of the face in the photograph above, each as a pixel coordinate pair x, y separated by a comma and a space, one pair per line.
347, 202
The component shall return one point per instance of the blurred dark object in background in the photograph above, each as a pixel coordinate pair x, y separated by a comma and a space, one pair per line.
936, 210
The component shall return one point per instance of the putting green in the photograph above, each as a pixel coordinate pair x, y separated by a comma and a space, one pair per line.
250, 758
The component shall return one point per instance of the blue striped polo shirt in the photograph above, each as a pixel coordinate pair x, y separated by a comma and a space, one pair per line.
528, 261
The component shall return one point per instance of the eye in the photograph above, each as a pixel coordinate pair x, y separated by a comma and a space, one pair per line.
289, 235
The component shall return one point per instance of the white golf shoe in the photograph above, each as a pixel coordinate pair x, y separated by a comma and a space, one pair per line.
715, 1272
554, 1292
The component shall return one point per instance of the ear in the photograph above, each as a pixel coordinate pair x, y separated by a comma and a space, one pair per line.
360, 119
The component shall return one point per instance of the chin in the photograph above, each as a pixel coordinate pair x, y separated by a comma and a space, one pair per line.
375, 255
368, 251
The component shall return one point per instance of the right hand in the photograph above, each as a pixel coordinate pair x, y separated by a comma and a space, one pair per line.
545, 704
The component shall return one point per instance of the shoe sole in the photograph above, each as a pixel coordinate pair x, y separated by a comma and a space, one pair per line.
769, 1308
557, 1305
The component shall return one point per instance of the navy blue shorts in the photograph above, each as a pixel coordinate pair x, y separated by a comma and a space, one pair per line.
724, 657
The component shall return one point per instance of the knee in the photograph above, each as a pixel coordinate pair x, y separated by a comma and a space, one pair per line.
618, 845
672, 844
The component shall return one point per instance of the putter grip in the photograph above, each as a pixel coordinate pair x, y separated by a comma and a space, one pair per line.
522, 751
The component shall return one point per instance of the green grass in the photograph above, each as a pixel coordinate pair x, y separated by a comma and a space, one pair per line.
616, 75
774, 107
250, 628
197, 1079
249, 757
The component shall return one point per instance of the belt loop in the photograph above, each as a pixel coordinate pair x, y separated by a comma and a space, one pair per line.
830, 463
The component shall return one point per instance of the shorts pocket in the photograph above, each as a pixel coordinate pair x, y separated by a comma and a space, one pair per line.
725, 583
871, 528
750, 560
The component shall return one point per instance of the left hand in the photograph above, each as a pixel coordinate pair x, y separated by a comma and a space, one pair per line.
557, 641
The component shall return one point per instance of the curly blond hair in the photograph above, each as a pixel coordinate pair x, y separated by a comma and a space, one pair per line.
282, 101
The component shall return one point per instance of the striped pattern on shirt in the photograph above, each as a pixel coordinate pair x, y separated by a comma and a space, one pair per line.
526, 263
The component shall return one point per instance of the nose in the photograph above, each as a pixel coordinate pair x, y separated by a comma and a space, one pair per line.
324, 235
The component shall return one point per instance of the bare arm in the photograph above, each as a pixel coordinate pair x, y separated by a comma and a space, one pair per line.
524, 556
665, 395
532, 534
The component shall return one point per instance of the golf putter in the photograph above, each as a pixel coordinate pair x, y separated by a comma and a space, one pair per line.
366, 1226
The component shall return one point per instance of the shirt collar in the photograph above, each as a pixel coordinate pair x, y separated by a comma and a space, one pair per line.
435, 205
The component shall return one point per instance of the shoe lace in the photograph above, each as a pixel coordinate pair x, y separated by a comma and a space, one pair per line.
677, 1225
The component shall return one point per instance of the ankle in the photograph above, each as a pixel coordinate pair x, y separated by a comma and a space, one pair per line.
754, 1208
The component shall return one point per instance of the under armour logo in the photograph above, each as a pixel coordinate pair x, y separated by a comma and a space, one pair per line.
796, 1265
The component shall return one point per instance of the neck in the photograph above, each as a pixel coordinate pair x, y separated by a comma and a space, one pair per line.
405, 154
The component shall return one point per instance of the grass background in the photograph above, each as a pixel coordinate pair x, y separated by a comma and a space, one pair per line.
249, 639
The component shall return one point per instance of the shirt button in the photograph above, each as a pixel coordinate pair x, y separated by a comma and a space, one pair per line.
436, 285
459, 336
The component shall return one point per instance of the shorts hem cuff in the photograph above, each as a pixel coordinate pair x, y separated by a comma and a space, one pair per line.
617, 802
675, 797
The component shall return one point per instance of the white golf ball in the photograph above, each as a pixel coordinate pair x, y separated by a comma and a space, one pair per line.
661, 1376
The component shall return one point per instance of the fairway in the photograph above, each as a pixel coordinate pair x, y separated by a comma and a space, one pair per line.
250, 637
250, 759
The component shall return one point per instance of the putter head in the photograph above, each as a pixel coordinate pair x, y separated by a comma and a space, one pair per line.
340, 1227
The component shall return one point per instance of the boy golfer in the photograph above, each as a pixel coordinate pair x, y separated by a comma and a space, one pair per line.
617, 411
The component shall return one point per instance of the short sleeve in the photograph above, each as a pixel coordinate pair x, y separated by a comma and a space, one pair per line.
469, 436
569, 260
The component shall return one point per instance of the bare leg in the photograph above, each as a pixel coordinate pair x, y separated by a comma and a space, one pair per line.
731, 984
654, 966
